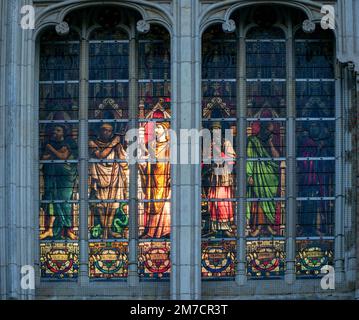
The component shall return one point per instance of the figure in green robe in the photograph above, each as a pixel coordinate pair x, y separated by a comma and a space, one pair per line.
59, 182
263, 180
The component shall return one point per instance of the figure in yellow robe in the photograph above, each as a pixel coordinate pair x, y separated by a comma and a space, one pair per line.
155, 180
108, 179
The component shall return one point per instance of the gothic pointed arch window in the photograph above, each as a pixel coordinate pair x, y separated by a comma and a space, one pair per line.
103, 216
268, 104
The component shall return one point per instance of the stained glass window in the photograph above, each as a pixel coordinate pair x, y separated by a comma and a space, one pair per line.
256, 65
154, 182
315, 143
86, 111
58, 154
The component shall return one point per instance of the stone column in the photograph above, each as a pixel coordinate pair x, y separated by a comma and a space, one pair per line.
186, 213
356, 192
83, 158
291, 211
20, 226
241, 276
2, 150
133, 278
341, 87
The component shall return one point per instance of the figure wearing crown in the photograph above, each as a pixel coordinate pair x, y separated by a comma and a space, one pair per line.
155, 174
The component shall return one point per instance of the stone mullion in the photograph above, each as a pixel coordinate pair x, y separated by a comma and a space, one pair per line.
28, 212
12, 150
341, 86
290, 160
356, 190
83, 160
241, 276
3, 267
185, 275
133, 277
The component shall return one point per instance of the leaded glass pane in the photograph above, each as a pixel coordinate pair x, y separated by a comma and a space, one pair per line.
219, 157
58, 154
315, 99
218, 259
59, 101
265, 259
154, 261
312, 256
108, 260
266, 152
59, 261
315, 141
59, 60
154, 168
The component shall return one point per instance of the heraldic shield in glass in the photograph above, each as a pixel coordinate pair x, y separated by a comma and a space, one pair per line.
58, 154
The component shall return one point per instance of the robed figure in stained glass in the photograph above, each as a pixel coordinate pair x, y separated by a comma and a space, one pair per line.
108, 179
59, 183
221, 187
155, 176
314, 181
263, 176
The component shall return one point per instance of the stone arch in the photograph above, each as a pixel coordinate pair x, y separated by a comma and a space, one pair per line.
54, 15
222, 12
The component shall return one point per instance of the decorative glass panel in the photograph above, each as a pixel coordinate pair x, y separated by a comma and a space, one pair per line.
59, 260
265, 259
312, 256
108, 260
154, 261
218, 259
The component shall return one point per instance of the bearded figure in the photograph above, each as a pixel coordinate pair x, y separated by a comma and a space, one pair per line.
108, 179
